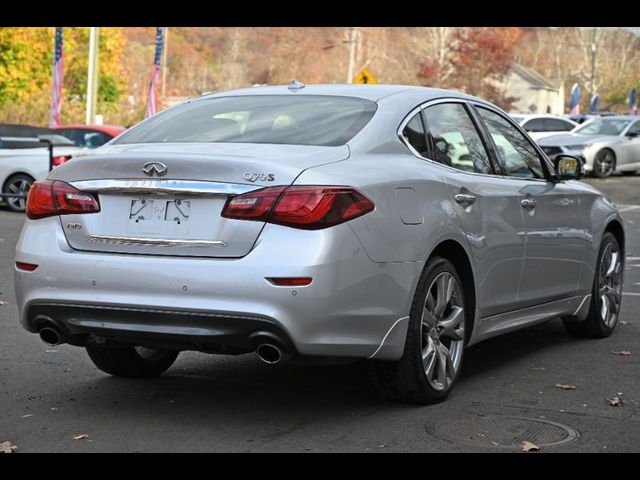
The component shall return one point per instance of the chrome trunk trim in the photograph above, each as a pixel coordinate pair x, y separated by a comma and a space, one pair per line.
159, 242
168, 187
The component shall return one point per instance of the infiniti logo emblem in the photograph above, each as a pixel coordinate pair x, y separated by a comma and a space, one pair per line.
154, 168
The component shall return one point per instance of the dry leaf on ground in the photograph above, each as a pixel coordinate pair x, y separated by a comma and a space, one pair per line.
565, 387
529, 447
624, 322
7, 447
81, 436
624, 353
2, 302
616, 401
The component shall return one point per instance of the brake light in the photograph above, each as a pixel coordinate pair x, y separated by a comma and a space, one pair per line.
290, 281
27, 267
304, 207
53, 197
59, 160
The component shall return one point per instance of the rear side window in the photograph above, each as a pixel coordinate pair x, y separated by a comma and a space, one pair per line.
415, 135
276, 119
557, 125
535, 125
455, 139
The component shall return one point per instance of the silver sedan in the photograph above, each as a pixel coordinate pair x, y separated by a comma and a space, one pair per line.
606, 145
335, 221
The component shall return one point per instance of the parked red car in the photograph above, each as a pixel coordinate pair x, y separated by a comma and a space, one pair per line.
90, 136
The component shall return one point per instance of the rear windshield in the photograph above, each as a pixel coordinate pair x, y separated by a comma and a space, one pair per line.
280, 119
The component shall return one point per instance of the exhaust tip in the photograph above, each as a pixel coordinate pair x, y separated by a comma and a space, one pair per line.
50, 336
269, 353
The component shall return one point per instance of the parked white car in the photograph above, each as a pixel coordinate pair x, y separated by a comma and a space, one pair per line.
540, 126
20, 166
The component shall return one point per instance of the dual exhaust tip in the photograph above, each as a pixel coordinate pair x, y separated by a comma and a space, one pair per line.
267, 352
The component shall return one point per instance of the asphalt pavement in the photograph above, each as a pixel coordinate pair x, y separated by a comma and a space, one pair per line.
506, 394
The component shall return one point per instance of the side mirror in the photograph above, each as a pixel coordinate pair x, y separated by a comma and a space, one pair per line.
568, 167
632, 134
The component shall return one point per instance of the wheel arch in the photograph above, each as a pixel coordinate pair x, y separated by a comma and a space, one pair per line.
456, 254
12, 175
616, 228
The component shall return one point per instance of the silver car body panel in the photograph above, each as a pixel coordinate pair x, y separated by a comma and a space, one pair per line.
527, 266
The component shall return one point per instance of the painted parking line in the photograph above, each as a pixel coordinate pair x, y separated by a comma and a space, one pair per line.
627, 208
632, 294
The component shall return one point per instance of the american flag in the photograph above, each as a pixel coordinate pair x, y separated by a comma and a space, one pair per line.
153, 100
56, 83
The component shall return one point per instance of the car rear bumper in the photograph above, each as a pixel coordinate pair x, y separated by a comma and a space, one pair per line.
218, 305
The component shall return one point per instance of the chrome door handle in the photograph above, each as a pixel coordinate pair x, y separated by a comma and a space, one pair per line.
528, 203
465, 198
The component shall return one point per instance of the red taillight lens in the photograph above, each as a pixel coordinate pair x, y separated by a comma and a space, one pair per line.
305, 207
27, 267
47, 198
60, 159
290, 281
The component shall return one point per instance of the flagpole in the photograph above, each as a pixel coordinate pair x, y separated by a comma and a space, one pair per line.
164, 62
92, 75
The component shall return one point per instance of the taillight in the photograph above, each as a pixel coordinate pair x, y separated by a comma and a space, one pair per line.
53, 197
59, 160
305, 207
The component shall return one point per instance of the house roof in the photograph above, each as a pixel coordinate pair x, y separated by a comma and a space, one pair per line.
534, 78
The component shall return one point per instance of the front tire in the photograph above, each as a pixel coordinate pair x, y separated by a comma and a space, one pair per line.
17, 184
606, 294
434, 347
604, 163
133, 362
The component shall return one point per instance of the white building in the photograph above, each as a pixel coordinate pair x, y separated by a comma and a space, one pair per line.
534, 93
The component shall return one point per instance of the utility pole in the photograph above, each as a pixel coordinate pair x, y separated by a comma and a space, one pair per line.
593, 64
352, 53
92, 77
164, 61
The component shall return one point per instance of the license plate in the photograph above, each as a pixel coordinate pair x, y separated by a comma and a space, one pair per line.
159, 215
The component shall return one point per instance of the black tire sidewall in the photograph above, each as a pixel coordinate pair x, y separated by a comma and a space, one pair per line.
596, 162
435, 267
608, 238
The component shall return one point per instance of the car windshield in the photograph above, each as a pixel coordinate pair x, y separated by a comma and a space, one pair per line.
603, 126
275, 119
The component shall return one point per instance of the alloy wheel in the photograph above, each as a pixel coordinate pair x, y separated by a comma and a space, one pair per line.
605, 163
21, 186
442, 331
610, 285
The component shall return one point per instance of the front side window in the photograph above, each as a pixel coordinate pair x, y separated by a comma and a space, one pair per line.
516, 156
273, 119
455, 138
415, 135
634, 129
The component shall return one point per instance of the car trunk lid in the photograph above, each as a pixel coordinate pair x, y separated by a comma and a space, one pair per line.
164, 199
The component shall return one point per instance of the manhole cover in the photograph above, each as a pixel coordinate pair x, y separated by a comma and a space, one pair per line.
502, 431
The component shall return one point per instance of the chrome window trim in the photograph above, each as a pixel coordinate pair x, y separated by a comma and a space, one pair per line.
157, 242
463, 101
168, 187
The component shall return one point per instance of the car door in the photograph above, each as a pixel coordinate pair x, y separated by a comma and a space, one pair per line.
488, 211
630, 145
555, 234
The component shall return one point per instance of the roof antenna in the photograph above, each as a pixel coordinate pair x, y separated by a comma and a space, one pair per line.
296, 85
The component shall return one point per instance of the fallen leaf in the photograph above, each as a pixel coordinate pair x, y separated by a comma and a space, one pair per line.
7, 447
624, 353
616, 401
2, 302
565, 387
27, 415
381, 446
51, 351
624, 322
529, 447
81, 436
495, 443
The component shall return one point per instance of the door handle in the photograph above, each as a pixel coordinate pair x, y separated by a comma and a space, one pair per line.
528, 203
465, 198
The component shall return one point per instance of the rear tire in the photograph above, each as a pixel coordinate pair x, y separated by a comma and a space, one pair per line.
606, 294
434, 347
133, 362
19, 183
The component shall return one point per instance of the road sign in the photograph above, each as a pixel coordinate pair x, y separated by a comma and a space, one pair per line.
365, 76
